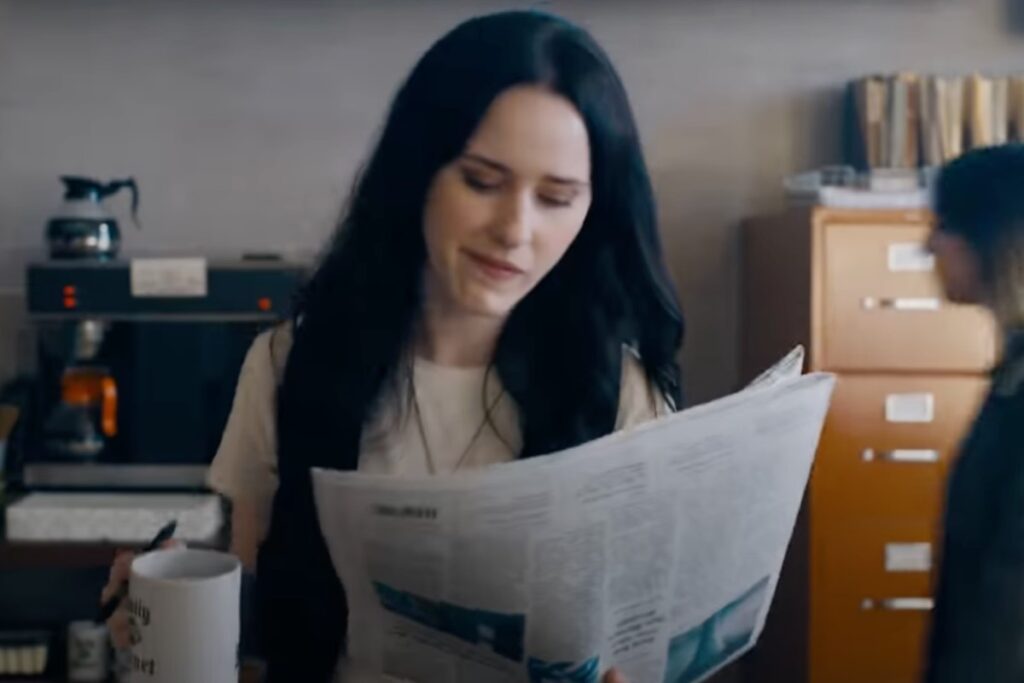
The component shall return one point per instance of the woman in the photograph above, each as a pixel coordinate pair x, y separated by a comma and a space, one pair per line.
978, 631
495, 290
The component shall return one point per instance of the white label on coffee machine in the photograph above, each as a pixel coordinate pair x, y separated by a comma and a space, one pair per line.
910, 257
169, 277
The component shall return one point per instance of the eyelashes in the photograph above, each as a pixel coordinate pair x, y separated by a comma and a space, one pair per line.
484, 185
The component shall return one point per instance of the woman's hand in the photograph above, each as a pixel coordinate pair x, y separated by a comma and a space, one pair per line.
613, 676
120, 572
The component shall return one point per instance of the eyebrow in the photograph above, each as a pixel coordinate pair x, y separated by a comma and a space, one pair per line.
498, 166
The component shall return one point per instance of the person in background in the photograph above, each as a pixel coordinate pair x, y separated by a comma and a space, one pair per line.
495, 290
978, 242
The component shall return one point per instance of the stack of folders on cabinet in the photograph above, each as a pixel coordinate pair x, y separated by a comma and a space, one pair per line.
908, 120
889, 112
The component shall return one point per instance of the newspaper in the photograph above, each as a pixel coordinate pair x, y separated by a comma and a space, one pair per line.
788, 368
656, 551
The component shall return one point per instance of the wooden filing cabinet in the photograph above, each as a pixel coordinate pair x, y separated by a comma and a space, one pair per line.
857, 290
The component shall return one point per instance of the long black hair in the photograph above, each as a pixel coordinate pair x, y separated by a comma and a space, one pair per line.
560, 353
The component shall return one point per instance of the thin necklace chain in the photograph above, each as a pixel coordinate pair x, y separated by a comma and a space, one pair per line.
431, 468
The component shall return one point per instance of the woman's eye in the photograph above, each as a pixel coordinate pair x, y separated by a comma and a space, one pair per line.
479, 183
553, 201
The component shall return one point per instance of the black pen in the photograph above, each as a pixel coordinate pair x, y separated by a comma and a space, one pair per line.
110, 606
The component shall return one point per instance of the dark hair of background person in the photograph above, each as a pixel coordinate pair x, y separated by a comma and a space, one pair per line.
980, 197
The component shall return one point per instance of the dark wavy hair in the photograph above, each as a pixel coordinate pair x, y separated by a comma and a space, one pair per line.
559, 355
980, 197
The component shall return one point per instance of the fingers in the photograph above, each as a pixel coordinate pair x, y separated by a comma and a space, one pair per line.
120, 570
118, 627
613, 676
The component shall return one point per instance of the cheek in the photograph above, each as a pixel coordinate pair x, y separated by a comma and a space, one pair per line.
451, 216
959, 273
947, 272
555, 238
972, 278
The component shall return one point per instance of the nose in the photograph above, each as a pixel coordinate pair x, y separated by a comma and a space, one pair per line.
513, 226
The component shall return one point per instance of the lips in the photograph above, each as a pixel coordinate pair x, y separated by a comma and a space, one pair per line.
494, 268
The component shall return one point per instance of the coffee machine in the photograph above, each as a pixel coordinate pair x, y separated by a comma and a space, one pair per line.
137, 363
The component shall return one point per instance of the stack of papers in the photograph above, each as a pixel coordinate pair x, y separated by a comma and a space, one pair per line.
854, 198
907, 120
889, 108
987, 109
113, 517
942, 119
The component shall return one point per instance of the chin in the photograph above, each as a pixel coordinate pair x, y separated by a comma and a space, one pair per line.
489, 304
487, 309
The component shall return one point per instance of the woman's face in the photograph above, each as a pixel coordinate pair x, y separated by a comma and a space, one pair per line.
958, 267
501, 215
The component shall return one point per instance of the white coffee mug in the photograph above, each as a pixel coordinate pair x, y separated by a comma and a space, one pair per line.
183, 607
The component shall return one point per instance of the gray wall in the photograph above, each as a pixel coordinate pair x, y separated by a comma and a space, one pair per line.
244, 121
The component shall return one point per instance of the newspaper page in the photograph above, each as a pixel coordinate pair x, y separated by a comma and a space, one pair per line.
655, 550
790, 367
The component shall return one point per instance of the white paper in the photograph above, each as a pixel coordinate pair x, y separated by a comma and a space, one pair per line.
910, 407
908, 557
788, 368
112, 517
910, 257
168, 277
852, 198
655, 550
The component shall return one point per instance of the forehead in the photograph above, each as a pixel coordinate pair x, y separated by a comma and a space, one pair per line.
534, 132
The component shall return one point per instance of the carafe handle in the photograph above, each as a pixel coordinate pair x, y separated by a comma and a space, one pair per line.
108, 406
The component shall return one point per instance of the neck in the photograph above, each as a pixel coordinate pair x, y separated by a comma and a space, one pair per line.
456, 338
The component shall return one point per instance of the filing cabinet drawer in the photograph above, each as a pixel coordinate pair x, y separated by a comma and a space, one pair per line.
883, 309
878, 560
870, 646
875, 461
871, 600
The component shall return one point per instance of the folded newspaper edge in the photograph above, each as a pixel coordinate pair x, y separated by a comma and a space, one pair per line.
655, 550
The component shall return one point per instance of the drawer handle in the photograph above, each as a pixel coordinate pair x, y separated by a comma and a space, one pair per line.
902, 303
898, 604
900, 455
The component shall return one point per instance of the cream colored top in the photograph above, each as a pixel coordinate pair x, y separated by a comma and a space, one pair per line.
452, 405
451, 402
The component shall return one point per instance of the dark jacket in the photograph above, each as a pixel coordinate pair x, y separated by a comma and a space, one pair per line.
978, 627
